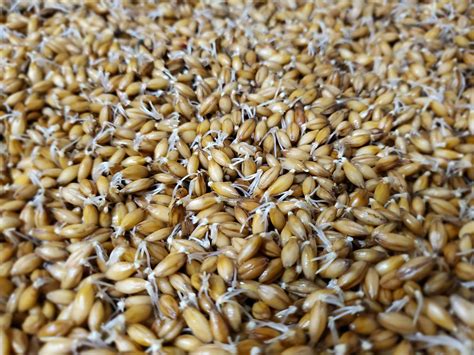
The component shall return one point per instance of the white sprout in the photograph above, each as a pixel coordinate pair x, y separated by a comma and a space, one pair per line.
398, 305
419, 306
153, 291
465, 348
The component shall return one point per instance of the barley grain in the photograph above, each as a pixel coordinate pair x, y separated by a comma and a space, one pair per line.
280, 177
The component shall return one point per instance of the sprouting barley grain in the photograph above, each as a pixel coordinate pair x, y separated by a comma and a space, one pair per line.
217, 179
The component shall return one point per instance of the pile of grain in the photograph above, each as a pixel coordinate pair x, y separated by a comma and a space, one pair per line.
252, 177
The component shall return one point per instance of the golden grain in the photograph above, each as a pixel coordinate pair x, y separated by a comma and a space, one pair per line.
281, 177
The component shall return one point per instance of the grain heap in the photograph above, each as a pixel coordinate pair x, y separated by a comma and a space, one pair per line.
281, 177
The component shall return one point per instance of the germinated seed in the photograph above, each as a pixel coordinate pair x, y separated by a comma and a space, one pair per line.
216, 178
